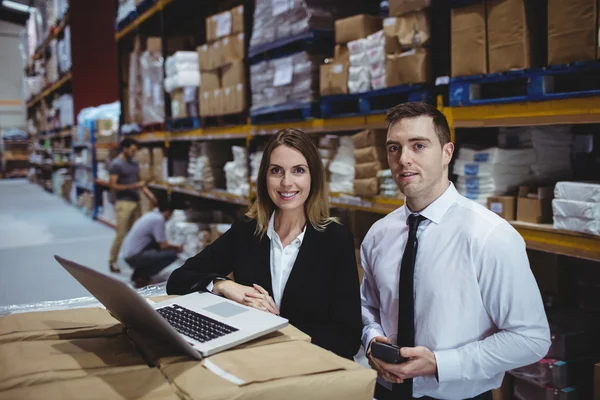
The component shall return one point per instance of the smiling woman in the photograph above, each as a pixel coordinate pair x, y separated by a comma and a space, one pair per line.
288, 256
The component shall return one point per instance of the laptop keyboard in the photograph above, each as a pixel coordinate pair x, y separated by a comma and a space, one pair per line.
194, 325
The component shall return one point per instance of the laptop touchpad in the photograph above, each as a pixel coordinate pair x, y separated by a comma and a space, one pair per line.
225, 309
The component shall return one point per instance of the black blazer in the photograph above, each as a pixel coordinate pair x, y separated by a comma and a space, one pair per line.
321, 296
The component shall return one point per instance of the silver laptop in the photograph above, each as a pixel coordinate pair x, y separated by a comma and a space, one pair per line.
199, 324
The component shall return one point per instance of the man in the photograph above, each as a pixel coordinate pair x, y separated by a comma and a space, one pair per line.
125, 181
145, 247
445, 279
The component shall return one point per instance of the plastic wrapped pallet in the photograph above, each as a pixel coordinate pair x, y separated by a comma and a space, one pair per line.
578, 191
182, 70
292, 79
153, 103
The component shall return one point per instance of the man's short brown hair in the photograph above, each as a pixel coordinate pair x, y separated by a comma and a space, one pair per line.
418, 109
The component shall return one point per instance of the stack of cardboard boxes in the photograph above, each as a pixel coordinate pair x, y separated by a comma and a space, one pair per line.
222, 68
328, 145
500, 35
370, 156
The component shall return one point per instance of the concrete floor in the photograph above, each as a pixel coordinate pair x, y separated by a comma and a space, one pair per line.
34, 226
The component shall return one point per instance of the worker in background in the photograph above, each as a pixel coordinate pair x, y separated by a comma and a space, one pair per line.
125, 182
446, 280
288, 257
145, 247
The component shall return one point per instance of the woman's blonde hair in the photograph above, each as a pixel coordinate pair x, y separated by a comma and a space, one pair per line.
316, 207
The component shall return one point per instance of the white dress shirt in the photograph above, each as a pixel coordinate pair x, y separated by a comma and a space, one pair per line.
477, 304
282, 260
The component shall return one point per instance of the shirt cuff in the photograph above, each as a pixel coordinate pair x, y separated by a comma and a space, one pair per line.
448, 365
371, 333
211, 285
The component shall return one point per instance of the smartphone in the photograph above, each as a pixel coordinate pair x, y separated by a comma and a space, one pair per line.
387, 352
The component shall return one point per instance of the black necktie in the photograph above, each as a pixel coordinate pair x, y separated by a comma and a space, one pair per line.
406, 307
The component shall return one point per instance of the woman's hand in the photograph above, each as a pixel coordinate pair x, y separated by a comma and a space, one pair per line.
260, 299
231, 290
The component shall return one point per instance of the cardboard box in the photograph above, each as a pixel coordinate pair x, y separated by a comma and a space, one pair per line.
210, 56
142, 384
401, 7
265, 373
174, 44
232, 49
334, 79
216, 106
407, 68
366, 187
233, 74
63, 324
370, 154
203, 58
390, 33
224, 24
178, 108
210, 80
154, 45
205, 101
572, 31
369, 138
512, 39
356, 27
369, 170
414, 30
34, 362
535, 204
504, 206
234, 99
341, 54
469, 40
597, 382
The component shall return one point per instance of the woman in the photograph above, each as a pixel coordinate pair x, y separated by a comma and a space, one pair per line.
288, 257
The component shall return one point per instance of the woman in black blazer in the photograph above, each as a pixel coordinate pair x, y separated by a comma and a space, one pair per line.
287, 256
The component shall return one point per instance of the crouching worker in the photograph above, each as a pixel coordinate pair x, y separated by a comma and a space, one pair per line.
145, 247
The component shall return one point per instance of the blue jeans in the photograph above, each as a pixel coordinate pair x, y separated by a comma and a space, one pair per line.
150, 262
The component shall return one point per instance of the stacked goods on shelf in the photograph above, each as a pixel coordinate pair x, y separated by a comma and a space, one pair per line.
255, 159
292, 79
353, 32
469, 40
341, 168
182, 82
236, 172
143, 157
576, 207
193, 236
222, 68
485, 173
371, 158
572, 31
151, 73
553, 148
64, 52
328, 145
206, 165
387, 185
274, 20
159, 165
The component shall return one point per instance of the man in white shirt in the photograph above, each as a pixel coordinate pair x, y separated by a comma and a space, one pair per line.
466, 286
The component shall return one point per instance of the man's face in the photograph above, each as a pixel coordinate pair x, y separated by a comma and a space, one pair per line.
416, 157
130, 151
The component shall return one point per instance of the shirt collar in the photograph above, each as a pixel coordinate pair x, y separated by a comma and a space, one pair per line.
436, 210
271, 230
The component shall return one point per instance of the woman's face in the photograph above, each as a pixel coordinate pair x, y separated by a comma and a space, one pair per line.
288, 178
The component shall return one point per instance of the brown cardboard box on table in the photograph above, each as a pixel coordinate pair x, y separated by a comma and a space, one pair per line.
401, 7
334, 79
233, 74
504, 206
341, 54
414, 30
469, 40
369, 138
408, 68
535, 204
266, 373
62, 324
369, 154
572, 31
210, 80
512, 40
356, 27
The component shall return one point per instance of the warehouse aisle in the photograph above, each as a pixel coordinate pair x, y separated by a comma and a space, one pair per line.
35, 225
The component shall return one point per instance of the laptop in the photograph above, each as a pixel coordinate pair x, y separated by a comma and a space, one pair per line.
198, 324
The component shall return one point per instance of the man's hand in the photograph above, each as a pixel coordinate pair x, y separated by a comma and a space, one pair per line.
231, 290
379, 365
140, 185
261, 300
421, 362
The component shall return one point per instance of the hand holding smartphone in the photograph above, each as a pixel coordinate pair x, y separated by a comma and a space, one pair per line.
387, 352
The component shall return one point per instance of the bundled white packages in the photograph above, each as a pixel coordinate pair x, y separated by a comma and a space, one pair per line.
579, 191
181, 80
387, 185
359, 60
377, 60
182, 70
358, 79
577, 209
514, 138
357, 46
495, 155
589, 226
236, 172
468, 168
255, 159
342, 167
